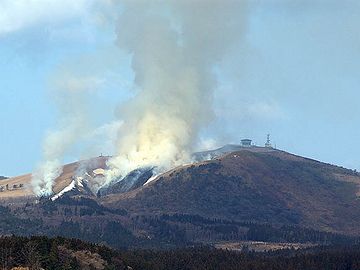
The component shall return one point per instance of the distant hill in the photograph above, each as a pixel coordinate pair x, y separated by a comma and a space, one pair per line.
3, 177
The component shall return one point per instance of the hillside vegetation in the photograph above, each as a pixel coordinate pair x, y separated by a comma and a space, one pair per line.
56, 254
70, 254
269, 196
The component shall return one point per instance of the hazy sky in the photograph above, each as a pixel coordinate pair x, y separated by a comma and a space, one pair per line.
296, 75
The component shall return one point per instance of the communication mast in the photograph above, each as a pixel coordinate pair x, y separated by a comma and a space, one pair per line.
268, 143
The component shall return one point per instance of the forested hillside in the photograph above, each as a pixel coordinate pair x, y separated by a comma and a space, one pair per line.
70, 254
56, 254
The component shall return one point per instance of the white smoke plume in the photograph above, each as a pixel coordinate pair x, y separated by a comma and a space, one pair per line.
70, 95
175, 46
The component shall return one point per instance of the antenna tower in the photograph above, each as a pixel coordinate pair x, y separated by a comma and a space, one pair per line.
268, 143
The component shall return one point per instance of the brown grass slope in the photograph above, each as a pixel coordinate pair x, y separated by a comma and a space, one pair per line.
269, 186
69, 170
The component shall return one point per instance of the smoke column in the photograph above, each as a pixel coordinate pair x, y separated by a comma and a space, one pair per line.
70, 95
175, 46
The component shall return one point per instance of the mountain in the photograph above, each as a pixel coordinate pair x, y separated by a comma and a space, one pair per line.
242, 193
260, 186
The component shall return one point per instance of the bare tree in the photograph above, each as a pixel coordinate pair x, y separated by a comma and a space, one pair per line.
32, 256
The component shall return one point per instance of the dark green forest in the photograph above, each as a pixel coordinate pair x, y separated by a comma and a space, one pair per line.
339, 258
61, 253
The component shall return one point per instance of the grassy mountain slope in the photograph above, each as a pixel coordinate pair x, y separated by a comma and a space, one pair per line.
274, 187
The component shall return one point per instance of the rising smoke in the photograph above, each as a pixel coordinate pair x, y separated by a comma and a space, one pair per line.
70, 95
175, 47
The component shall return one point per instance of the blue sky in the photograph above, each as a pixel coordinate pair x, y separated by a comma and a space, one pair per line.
296, 75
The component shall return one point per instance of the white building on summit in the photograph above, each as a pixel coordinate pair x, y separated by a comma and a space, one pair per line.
246, 142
